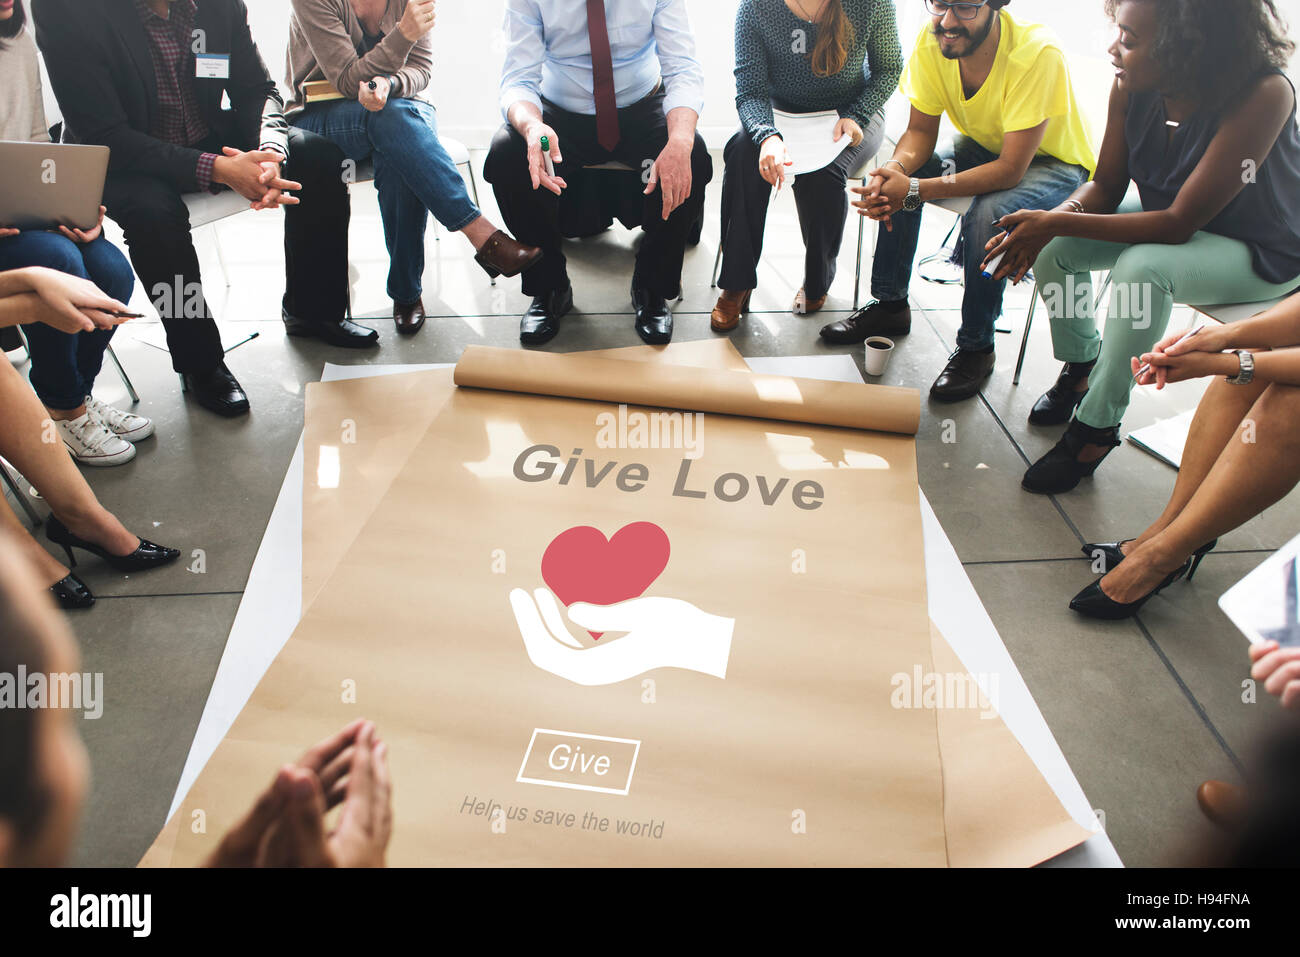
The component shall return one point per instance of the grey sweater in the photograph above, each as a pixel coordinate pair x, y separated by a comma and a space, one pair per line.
22, 106
326, 42
773, 62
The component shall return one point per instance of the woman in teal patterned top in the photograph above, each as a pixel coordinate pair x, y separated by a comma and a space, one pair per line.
806, 56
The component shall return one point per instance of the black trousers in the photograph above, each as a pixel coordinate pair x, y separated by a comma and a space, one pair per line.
156, 224
820, 197
533, 215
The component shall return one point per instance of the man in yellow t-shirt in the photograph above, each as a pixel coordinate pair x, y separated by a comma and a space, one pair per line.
1023, 144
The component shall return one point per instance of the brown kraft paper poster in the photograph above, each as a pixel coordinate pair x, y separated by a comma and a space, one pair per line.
999, 809
360, 432
739, 713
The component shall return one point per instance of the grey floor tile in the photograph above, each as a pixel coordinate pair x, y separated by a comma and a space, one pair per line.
158, 657
1134, 740
1210, 654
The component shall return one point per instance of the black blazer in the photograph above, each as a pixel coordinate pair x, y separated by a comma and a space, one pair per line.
97, 55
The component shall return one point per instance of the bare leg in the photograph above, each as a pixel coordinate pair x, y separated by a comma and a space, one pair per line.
1217, 419
66, 415
479, 231
47, 567
1256, 469
47, 465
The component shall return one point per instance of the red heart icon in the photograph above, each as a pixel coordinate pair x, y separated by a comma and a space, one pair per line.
580, 564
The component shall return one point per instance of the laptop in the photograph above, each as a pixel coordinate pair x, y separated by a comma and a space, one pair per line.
46, 185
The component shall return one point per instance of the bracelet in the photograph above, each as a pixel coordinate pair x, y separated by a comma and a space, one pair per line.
1075, 206
900, 166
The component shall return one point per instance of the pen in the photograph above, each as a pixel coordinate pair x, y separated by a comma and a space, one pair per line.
1147, 368
993, 266
127, 315
546, 156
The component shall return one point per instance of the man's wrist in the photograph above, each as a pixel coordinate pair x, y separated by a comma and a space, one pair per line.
899, 164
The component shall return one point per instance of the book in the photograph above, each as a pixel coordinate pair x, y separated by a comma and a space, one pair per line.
1165, 440
319, 91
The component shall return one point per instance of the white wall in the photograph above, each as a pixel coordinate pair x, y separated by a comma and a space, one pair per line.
468, 52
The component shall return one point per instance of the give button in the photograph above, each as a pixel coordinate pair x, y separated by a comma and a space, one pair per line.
584, 762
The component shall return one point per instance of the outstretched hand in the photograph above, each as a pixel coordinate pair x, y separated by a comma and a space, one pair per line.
660, 633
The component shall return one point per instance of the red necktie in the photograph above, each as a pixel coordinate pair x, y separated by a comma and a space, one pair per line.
602, 69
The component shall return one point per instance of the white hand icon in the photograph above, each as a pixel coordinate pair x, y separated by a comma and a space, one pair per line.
661, 633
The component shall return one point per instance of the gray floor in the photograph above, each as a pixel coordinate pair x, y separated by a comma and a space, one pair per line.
1143, 710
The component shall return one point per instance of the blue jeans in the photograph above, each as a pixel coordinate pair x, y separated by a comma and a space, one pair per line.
414, 176
1047, 184
64, 365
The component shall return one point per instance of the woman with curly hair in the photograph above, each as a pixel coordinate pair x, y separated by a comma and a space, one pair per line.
1203, 121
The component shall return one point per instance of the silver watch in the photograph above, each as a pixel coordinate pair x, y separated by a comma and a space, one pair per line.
913, 200
1247, 373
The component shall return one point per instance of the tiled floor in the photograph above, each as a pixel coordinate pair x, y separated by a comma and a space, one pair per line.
1143, 710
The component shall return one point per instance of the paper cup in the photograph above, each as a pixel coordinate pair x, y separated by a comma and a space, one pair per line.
879, 350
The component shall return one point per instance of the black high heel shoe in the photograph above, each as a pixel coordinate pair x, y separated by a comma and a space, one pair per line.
71, 593
1113, 552
1060, 469
1092, 602
147, 556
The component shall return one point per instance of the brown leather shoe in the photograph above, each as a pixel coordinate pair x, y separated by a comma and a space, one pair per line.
1222, 803
803, 306
731, 306
503, 256
963, 376
410, 318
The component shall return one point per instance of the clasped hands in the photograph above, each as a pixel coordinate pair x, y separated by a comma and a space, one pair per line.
255, 175
1172, 360
286, 825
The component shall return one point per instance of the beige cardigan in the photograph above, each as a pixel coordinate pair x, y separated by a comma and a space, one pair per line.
325, 43
22, 103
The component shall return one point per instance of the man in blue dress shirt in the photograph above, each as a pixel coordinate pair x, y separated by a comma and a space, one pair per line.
601, 82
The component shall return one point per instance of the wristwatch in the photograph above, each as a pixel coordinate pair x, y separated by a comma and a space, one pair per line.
913, 200
1247, 373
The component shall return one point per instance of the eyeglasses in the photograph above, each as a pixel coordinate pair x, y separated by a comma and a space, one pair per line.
964, 11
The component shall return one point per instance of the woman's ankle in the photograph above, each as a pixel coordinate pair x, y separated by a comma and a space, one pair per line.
66, 415
479, 232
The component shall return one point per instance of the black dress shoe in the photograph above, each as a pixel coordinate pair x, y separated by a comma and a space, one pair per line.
71, 593
1092, 602
1113, 552
1057, 404
874, 319
1060, 469
542, 320
963, 376
409, 319
146, 556
654, 320
340, 332
217, 391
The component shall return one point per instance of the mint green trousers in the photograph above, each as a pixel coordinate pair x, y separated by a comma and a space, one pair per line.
1146, 281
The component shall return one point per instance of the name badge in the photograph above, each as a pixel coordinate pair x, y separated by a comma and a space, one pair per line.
212, 66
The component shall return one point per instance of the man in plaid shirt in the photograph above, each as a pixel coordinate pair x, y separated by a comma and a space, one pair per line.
147, 78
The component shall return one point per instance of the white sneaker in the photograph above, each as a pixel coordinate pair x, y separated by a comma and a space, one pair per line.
91, 442
125, 425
